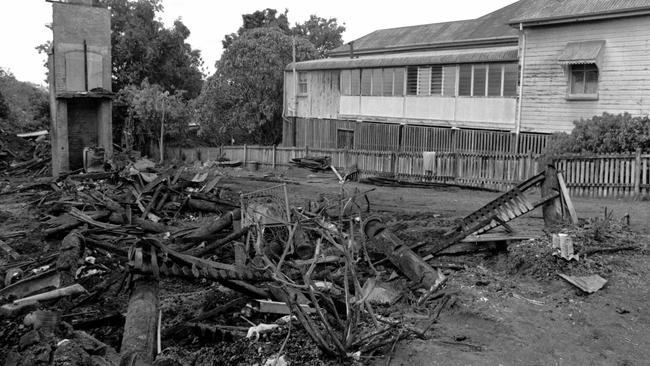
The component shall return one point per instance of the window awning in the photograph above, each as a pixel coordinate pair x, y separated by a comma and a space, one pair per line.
575, 53
495, 54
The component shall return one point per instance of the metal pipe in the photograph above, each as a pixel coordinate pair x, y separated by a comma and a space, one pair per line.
521, 84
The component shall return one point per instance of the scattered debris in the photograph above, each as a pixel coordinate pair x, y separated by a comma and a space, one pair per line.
588, 284
564, 245
328, 272
313, 163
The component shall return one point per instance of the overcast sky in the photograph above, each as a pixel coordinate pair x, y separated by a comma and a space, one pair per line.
22, 22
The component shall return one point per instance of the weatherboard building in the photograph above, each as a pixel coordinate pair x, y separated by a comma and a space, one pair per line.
500, 83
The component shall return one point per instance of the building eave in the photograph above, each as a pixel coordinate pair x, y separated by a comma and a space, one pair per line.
483, 42
533, 22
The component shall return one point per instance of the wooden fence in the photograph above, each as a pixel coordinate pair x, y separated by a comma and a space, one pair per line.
620, 175
623, 175
495, 171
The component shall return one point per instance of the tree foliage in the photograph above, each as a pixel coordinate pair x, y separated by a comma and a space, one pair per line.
243, 100
267, 18
244, 97
149, 106
324, 34
604, 134
23, 106
143, 48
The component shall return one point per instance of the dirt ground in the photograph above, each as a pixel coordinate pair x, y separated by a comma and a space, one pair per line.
510, 307
511, 318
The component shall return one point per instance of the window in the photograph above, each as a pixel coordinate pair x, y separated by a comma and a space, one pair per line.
412, 80
302, 83
465, 80
584, 80
387, 82
345, 82
376, 82
480, 74
424, 81
355, 82
510, 79
366, 81
436, 80
344, 139
495, 78
399, 82
449, 81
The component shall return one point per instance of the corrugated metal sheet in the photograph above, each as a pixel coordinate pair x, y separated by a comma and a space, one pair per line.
496, 54
541, 10
581, 52
490, 26
495, 25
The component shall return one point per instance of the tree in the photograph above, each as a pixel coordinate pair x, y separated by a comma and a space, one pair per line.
212, 111
324, 34
266, 18
247, 88
157, 112
142, 48
23, 106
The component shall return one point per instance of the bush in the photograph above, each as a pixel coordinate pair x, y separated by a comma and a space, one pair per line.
604, 134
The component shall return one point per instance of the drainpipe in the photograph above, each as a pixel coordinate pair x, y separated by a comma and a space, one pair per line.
295, 93
521, 85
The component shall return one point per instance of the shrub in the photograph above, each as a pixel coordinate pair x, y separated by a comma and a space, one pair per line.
603, 134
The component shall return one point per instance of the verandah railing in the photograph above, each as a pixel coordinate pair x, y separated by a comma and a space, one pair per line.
622, 175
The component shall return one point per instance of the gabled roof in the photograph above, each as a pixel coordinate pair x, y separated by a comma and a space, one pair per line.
490, 29
496, 28
560, 11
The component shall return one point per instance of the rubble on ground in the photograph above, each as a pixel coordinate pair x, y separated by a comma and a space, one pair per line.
23, 157
166, 265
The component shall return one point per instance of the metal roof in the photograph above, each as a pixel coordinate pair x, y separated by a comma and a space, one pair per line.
494, 54
487, 29
493, 28
581, 52
545, 11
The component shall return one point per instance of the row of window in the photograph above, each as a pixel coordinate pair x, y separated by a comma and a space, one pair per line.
453, 80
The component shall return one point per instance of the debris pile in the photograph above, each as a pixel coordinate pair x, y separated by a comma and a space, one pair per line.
593, 240
145, 264
122, 236
21, 157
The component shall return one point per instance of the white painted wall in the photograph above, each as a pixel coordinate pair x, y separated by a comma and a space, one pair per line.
476, 112
624, 78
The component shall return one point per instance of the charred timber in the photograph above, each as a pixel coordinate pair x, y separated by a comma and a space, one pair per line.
408, 262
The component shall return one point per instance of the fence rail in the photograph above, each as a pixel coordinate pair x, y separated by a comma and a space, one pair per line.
622, 175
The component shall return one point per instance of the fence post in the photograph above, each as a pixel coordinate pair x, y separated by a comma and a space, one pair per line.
273, 164
393, 163
245, 153
306, 150
637, 174
220, 152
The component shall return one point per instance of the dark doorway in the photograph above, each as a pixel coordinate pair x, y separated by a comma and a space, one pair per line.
82, 129
345, 139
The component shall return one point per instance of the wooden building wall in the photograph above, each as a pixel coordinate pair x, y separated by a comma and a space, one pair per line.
624, 78
375, 136
322, 99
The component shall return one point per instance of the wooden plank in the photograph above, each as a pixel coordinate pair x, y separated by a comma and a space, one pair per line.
567, 199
